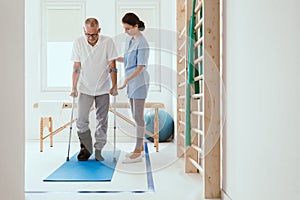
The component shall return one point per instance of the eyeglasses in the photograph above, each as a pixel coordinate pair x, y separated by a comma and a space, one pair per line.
91, 35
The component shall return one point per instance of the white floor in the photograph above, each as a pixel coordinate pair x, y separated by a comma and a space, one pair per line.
170, 181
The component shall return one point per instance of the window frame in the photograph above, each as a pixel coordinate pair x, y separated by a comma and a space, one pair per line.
54, 5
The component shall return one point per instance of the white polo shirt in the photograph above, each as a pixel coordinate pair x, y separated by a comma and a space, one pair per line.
94, 76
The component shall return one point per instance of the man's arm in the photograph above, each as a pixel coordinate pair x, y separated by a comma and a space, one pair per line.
75, 78
113, 76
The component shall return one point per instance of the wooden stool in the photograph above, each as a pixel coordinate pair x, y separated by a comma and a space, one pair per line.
46, 122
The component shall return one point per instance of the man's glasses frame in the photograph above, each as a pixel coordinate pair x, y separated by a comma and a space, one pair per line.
90, 35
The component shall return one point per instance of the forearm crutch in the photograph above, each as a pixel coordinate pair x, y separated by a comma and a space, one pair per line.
115, 128
73, 105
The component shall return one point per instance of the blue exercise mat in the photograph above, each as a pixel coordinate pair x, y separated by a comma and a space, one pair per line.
85, 171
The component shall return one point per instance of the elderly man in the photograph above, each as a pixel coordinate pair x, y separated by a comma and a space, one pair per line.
94, 59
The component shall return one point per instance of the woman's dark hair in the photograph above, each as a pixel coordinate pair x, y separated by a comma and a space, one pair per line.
132, 19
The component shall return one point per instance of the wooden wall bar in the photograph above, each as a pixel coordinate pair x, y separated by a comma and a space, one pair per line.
203, 156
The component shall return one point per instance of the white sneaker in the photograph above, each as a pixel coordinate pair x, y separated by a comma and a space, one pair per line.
127, 155
132, 160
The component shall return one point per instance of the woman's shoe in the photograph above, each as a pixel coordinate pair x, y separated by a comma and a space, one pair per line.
129, 154
133, 160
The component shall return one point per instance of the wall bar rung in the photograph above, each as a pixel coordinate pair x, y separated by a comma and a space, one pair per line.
197, 149
199, 5
198, 60
181, 110
182, 84
198, 113
182, 135
198, 24
198, 42
197, 95
182, 59
181, 96
195, 130
198, 78
196, 165
182, 122
181, 46
181, 33
182, 71
182, 148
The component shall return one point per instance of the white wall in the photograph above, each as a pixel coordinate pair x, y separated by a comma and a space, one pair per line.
105, 12
261, 71
12, 100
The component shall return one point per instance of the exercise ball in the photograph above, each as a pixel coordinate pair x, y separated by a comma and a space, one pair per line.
166, 125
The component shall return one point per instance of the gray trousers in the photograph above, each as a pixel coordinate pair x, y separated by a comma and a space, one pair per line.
85, 103
137, 110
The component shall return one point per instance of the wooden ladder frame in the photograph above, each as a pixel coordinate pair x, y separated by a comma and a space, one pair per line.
203, 155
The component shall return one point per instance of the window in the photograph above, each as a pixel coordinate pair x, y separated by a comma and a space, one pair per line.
61, 25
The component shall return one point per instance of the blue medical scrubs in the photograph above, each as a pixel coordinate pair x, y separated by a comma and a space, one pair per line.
137, 53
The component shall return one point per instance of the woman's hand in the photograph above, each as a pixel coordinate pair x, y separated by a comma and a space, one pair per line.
120, 59
124, 84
